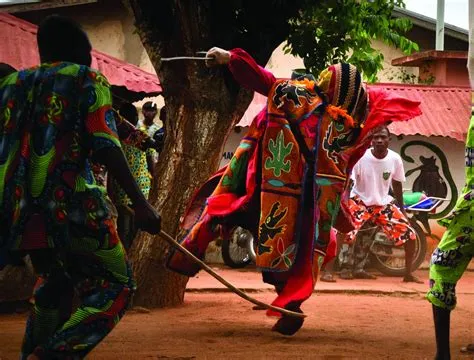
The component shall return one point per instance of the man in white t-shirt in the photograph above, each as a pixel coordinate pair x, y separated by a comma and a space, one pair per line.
376, 172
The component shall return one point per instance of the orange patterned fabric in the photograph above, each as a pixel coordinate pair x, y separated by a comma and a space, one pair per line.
283, 168
389, 217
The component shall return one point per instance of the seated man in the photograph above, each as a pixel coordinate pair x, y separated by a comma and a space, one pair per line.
379, 169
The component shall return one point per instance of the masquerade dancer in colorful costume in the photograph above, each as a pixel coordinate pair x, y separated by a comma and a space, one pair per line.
55, 119
289, 174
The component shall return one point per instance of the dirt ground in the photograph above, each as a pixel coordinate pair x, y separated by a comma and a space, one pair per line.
222, 326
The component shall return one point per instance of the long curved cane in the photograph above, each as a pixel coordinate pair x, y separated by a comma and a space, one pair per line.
171, 241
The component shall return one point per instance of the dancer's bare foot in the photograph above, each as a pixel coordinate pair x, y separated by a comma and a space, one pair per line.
32, 357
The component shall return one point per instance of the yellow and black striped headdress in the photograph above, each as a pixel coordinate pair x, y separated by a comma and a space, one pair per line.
342, 84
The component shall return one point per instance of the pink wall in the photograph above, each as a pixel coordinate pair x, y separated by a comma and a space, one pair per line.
457, 73
450, 72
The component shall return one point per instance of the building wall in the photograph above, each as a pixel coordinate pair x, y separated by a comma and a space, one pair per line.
451, 152
110, 28
426, 39
282, 64
456, 72
389, 73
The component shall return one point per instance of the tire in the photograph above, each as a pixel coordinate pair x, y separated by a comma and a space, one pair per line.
383, 263
235, 250
251, 247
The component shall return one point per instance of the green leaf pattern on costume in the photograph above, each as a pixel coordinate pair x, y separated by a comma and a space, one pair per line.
332, 208
238, 167
279, 151
285, 255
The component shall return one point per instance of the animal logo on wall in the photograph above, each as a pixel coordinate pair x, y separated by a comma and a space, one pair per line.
429, 179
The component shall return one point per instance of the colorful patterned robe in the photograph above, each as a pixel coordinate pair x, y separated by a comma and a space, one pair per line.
48, 196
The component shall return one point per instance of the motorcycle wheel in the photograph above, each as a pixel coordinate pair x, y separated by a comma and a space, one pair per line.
235, 249
395, 266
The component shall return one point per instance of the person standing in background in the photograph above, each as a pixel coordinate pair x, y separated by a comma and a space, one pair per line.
149, 111
135, 153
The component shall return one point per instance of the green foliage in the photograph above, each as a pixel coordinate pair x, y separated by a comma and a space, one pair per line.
403, 76
426, 75
331, 31
322, 32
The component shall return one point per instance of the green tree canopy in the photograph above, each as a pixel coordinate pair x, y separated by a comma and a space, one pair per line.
334, 31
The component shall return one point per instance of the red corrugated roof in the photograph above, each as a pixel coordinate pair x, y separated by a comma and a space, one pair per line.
19, 49
445, 110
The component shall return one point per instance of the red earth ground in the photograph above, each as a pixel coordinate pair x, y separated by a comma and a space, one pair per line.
219, 325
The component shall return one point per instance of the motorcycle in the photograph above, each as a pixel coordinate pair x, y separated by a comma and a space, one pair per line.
238, 249
390, 259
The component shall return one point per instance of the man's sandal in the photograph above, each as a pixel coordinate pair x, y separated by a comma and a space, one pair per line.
469, 349
327, 277
346, 275
362, 274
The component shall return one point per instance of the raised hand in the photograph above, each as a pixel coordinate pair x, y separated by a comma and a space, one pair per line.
147, 218
219, 57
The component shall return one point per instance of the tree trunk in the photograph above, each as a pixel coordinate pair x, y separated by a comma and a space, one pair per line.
202, 107
200, 112
192, 151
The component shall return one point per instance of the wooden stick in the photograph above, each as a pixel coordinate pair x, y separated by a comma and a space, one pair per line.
170, 240
187, 58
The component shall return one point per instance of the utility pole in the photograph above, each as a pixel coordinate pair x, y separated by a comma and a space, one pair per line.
440, 26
